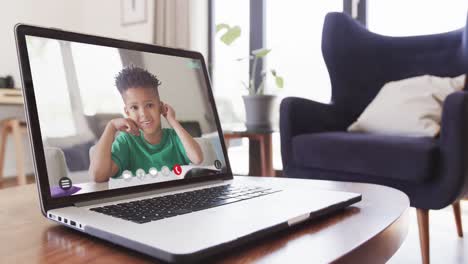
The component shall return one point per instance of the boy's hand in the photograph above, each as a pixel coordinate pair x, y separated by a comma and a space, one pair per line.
126, 125
168, 112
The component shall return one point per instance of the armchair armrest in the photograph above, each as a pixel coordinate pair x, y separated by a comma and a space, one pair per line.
301, 116
454, 148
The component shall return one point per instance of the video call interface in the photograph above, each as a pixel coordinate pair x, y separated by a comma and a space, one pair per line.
114, 118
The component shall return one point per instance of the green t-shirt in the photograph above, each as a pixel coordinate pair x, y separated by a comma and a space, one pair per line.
131, 152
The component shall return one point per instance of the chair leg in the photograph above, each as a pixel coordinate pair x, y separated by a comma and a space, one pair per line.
457, 214
3, 138
423, 224
20, 168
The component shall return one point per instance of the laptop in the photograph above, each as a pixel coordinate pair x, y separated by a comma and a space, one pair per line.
113, 158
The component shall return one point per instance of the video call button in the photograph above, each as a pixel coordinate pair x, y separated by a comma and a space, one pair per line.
153, 172
165, 171
218, 164
65, 183
127, 175
177, 169
140, 174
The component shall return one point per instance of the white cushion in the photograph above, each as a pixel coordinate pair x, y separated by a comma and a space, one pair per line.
56, 165
209, 155
408, 107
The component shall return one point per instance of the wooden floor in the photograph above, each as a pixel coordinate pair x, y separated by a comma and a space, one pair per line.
446, 246
11, 181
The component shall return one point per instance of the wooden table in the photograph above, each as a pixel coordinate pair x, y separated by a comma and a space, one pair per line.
11, 96
260, 150
371, 231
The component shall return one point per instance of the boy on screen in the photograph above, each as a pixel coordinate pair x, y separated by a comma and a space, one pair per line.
143, 143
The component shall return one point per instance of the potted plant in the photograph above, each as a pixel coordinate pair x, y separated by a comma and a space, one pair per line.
258, 105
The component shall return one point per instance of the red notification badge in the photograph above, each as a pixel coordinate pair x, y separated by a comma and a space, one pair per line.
177, 169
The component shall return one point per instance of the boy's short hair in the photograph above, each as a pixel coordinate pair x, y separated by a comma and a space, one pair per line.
132, 76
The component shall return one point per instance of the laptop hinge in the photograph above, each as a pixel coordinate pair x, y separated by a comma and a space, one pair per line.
152, 192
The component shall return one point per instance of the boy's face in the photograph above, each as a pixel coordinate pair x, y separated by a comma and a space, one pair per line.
142, 105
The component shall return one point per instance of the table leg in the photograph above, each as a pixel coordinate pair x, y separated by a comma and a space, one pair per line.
20, 169
269, 171
3, 139
260, 153
261, 156
255, 168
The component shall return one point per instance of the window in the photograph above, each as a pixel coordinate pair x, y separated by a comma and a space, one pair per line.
397, 17
96, 83
53, 99
294, 33
228, 72
58, 68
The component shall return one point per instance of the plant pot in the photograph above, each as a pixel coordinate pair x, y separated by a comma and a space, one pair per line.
259, 111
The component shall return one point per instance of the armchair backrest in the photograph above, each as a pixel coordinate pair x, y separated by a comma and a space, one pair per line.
360, 62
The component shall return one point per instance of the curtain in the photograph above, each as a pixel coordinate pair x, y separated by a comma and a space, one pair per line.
83, 133
172, 23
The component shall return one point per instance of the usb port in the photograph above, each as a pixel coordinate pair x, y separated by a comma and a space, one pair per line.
72, 223
60, 218
65, 220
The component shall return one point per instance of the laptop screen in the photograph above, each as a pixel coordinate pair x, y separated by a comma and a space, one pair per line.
114, 118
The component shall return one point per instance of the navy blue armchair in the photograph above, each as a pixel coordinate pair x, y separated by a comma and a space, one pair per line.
314, 141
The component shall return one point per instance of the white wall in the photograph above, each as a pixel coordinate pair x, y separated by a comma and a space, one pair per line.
199, 27
49, 13
103, 18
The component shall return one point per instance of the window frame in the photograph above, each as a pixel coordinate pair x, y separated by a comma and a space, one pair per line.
257, 34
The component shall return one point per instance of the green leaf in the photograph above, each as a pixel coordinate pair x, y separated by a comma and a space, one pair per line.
259, 53
221, 27
251, 87
279, 81
261, 88
245, 85
231, 35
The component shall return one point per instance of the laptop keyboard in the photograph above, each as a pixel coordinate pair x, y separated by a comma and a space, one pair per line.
152, 209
